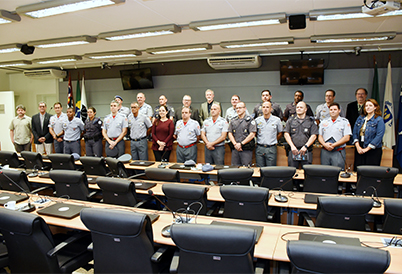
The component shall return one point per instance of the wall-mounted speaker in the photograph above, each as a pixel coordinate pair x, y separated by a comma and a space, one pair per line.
25, 49
297, 21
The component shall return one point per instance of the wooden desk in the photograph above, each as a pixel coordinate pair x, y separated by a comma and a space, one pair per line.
369, 238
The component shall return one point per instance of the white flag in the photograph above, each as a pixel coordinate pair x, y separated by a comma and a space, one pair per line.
84, 106
388, 111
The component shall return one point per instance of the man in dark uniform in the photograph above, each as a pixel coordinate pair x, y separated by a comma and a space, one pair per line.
290, 110
93, 134
242, 130
266, 96
300, 133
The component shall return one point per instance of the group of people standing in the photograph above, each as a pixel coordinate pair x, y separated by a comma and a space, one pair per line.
259, 131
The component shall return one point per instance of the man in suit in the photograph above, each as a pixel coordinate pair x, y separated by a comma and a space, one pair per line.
205, 110
40, 129
187, 103
354, 109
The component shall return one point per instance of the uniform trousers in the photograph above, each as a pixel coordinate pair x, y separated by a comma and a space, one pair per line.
242, 158
72, 147
333, 158
117, 151
296, 164
265, 156
139, 149
184, 154
216, 156
58, 146
93, 148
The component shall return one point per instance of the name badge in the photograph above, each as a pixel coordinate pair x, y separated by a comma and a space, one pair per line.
362, 138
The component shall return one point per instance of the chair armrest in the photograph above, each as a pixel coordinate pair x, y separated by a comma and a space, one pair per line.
90, 247
368, 228
40, 189
271, 214
60, 246
260, 267
212, 209
378, 227
136, 175
174, 265
91, 194
221, 210
305, 216
157, 256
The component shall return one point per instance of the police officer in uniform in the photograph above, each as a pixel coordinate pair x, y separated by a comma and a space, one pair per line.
93, 134
334, 133
242, 130
121, 109
140, 126
269, 131
276, 109
300, 133
213, 133
73, 127
187, 133
56, 128
113, 130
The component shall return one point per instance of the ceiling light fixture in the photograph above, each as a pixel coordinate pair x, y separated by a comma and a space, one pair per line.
347, 38
178, 49
62, 42
55, 7
113, 54
10, 48
344, 13
239, 22
140, 32
257, 43
8, 17
15, 63
61, 59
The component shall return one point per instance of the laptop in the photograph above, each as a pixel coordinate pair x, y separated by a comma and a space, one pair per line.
6, 197
62, 210
144, 185
311, 198
217, 167
180, 166
141, 163
329, 239
258, 229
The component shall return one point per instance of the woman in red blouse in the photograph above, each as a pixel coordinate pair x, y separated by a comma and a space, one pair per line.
162, 135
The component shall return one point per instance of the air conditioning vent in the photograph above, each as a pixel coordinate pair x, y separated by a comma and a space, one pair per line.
45, 74
235, 62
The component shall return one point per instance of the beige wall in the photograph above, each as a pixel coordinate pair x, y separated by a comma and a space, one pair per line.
4, 81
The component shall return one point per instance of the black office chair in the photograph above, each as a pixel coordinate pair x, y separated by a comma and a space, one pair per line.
235, 176
94, 166
340, 212
180, 197
213, 249
379, 177
321, 178
10, 158
33, 160
62, 161
33, 249
122, 241
118, 191
19, 177
3, 256
246, 202
72, 184
317, 257
166, 175
116, 167
275, 177
393, 217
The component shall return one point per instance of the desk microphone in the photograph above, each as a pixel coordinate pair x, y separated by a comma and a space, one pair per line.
345, 174
166, 230
376, 201
279, 197
28, 207
162, 165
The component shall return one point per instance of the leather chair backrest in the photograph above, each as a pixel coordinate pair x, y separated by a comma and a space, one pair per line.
94, 165
245, 202
237, 176
343, 212
182, 196
214, 248
122, 240
277, 177
70, 183
393, 216
117, 191
28, 239
116, 167
10, 158
166, 175
33, 160
321, 178
17, 176
316, 257
379, 177
62, 161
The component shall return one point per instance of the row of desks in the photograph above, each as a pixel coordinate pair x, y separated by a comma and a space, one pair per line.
271, 246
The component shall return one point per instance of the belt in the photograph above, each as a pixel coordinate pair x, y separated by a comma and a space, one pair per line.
261, 145
113, 139
193, 144
139, 139
96, 138
71, 141
338, 149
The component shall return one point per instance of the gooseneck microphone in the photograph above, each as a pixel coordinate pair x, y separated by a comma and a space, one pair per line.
163, 164
279, 197
345, 174
166, 230
28, 207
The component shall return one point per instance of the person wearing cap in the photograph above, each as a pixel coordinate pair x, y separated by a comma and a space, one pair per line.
269, 131
93, 134
187, 133
73, 128
213, 133
121, 109
140, 126
163, 102
20, 130
42, 138
144, 108
56, 127
113, 130
242, 131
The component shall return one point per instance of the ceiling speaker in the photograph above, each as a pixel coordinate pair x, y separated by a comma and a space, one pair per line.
297, 21
25, 49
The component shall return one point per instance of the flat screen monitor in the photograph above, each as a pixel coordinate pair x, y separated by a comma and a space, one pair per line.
302, 72
136, 79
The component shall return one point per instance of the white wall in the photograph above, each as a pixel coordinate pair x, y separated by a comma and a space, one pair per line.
6, 104
4, 81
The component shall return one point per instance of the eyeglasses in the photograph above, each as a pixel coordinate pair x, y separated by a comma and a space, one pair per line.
239, 107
